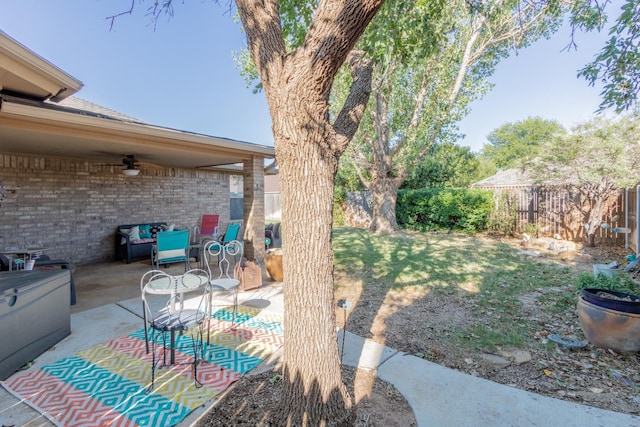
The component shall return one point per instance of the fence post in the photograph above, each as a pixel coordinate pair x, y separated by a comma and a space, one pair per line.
626, 217
637, 219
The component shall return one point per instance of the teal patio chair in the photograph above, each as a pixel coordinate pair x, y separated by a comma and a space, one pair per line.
170, 247
230, 235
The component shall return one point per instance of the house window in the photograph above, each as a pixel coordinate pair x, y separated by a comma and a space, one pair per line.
236, 198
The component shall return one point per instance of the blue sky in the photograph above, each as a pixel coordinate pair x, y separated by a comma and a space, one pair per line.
182, 74
541, 80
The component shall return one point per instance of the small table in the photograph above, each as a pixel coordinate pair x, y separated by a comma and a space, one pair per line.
21, 256
195, 251
173, 285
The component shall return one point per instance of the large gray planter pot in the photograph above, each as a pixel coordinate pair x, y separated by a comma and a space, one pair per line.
608, 323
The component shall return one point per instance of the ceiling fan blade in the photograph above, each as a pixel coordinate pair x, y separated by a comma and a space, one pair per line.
147, 165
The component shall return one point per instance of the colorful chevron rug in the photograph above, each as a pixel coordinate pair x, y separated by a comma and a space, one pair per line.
106, 385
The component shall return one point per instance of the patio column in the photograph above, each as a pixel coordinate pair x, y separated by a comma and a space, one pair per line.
253, 178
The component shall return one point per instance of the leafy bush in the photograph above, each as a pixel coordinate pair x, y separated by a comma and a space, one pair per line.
339, 203
621, 283
465, 210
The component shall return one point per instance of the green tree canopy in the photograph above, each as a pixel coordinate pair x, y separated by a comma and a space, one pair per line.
617, 66
445, 165
515, 142
593, 163
430, 60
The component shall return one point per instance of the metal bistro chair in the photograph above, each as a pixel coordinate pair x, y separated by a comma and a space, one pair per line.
230, 234
165, 313
224, 283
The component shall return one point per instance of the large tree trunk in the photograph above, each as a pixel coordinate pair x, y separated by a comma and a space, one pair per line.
384, 193
297, 85
315, 393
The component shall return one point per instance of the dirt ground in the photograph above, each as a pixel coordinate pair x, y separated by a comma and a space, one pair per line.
250, 400
588, 375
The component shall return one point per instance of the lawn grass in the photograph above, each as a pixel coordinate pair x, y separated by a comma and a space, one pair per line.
493, 278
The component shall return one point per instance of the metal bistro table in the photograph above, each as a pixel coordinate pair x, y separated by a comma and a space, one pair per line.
173, 285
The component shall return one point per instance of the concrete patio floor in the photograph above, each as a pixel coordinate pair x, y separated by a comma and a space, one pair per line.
109, 306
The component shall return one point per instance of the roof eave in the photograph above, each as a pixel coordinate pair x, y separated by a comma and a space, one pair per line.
129, 130
33, 75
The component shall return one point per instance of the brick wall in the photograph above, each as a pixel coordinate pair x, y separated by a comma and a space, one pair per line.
72, 207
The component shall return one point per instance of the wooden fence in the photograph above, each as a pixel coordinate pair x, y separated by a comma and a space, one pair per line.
547, 213
272, 206
550, 213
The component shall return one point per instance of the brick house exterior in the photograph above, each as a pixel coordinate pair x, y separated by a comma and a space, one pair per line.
60, 168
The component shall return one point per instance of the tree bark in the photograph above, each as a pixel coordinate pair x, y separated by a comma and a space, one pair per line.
297, 85
314, 393
595, 219
384, 193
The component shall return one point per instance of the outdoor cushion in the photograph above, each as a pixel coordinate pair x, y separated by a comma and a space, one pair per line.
170, 254
155, 229
141, 241
145, 231
134, 234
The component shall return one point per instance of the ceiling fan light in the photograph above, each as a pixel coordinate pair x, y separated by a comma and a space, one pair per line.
130, 172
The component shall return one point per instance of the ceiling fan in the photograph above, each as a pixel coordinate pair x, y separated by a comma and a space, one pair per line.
132, 165
132, 168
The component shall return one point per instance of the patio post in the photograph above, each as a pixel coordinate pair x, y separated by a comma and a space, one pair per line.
253, 179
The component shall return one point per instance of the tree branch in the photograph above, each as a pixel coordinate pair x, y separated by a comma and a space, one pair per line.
345, 23
360, 168
112, 18
348, 120
265, 41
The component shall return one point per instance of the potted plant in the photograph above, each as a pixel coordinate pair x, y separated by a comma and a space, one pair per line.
609, 311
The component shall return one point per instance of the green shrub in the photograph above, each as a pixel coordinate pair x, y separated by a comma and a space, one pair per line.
531, 229
465, 210
339, 203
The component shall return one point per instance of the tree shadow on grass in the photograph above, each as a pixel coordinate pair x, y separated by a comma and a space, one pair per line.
404, 285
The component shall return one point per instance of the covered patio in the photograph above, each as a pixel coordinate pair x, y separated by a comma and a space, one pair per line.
62, 166
71, 171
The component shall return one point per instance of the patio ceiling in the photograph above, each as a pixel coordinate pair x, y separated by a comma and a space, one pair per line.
39, 116
33, 127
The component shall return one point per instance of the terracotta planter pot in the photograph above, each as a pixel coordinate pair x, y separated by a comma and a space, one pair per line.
273, 262
609, 328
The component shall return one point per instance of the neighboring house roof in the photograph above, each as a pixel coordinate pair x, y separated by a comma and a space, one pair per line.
35, 119
506, 178
84, 107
